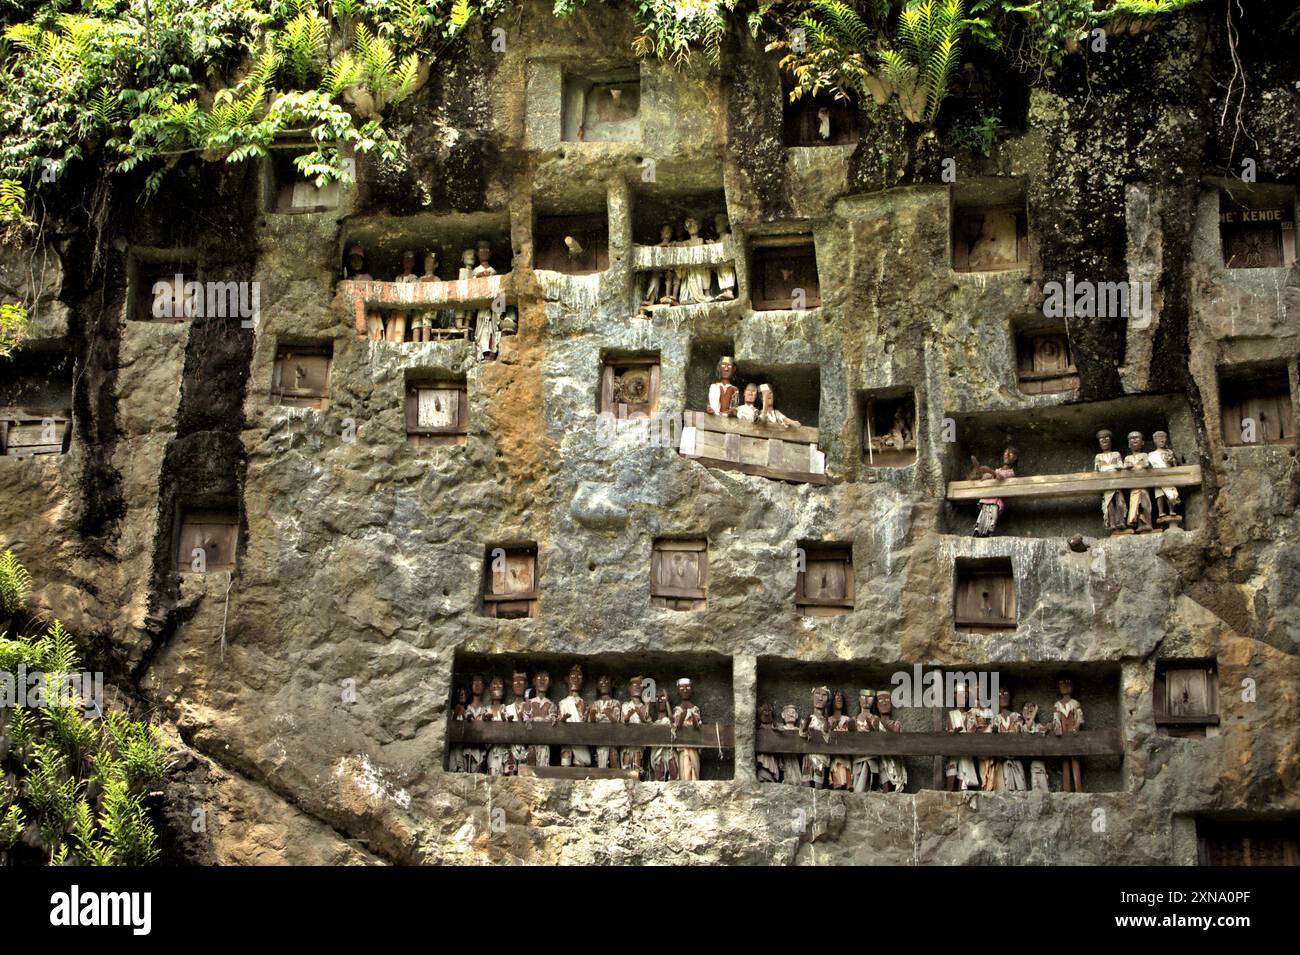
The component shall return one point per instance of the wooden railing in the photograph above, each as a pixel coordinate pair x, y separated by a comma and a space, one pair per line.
1074, 485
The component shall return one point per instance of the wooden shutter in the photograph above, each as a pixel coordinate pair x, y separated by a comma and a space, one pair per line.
825, 587
217, 532
985, 599
989, 239
781, 268
679, 574
301, 378
510, 588
438, 412
25, 435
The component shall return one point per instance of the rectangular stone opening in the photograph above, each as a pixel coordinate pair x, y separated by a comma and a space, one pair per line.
889, 427
629, 386
825, 586
36, 402
1060, 442
289, 191
1256, 405
1044, 362
602, 106
589, 741
679, 574
571, 244
984, 595
437, 410
301, 375
1257, 226
1186, 697
783, 272
819, 119
510, 586
990, 238
164, 286
920, 700
207, 537
654, 207
1237, 841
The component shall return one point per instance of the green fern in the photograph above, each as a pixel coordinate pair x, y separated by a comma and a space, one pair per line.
15, 581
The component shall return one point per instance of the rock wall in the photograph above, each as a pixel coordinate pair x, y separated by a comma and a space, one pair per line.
310, 693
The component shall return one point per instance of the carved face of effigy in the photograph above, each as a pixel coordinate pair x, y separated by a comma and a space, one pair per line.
575, 680
820, 697
519, 684
604, 686
498, 690
1104, 440
541, 683
476, 685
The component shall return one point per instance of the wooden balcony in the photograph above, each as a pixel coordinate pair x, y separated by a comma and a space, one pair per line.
1075, 485
770, 451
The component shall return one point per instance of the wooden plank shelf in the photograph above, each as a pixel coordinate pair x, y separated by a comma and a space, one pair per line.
397, 296
647, 258
577, 772
469, 732
764, 450
1008, 745
1074, 485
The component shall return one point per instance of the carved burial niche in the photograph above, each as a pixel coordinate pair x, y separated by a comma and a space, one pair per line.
207, 539
1257, 227
1248, 842
783, 272
301, 376
1256, 408
679, 574
437, 411
158, 287
35, 403
819, 120
571, 244
602, 107
984, 598
824, 588
290, 192
629, 387
989, 238
1044, 364
889, 427
510, 581
1186, 697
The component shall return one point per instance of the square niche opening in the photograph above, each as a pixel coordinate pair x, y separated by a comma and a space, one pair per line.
158, 288
292, 193
1257, 227
824, 588
819, 119
1248, 842
889, 427
783, 272
984, 598
36, 402
1186, 700
991, 238
602, 106
1044, 362
629, 386
654, 208
437, 411
572, 244
510, 589
207, 539
301, 376
1255, 405
679, 574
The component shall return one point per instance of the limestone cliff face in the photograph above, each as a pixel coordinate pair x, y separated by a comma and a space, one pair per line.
310, 696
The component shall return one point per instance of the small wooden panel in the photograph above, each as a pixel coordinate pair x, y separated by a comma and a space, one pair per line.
216, 533
23, 436
1248, 843
725, 425
715, 735
1186, 696
301, 378
1011, 745
437, 409
679, 574
577, 772
778, 271
1045, 365
783, 454
825, 586
1271, 412
985, 598
174, 302
510, 589
629, 388
992, 239
1073, 485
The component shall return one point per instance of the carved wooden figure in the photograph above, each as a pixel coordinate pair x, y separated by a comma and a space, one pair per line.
500, 759
686, 714
961, 771
541, 709
748, 408
723, 393
767, 766
694, 280
1166, 498
984, 720
661, 284
866, 769
1114, 507
769, 415
1067, 717
726, 272
663, 761
893, 771
487, 327
1140, 510
815, 765
841, 771
1007, 773
423, 322
1039, 777
635, 712
456, 755
475, 710
605, 709
397, 321
991, 507
573, 709
791, 764
517, 712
